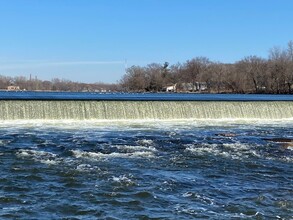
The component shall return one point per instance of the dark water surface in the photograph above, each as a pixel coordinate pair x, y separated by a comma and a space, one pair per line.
27, 95
139, 170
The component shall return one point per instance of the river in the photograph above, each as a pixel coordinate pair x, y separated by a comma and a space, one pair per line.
146, 168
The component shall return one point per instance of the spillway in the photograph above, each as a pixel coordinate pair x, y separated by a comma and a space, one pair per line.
132, 110
170, 156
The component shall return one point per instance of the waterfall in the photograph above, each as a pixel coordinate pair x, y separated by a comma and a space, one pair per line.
127, 110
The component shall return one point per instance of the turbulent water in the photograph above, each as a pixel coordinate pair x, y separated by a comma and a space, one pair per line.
151, 169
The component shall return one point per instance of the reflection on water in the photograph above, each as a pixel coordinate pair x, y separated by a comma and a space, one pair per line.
146, 169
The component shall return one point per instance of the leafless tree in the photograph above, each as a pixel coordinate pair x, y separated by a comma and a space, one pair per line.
253, 68
154, 73
278, 64
194, 69
135, 79
216, 77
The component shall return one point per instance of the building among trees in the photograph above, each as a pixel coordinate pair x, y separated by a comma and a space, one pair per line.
252, 74
13, 88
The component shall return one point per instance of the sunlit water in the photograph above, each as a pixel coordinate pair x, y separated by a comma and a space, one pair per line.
146, 169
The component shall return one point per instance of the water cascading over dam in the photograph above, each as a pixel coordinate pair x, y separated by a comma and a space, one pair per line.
133, 110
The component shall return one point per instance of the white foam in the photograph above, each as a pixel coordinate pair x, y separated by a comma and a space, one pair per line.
40, 156
49, 162
190, 210
2, 142
137, 123
135, 148
236, 150
123, 180
98, 155
237, 146
187, 194
87, 168
202, 198
145, 142
286, 159
25, 152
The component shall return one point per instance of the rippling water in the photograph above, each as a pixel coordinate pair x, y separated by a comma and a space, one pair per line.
146, 170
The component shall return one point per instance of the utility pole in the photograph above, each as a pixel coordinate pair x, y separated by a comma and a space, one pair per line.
125, 65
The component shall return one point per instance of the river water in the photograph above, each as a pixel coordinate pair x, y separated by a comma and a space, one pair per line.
146, 169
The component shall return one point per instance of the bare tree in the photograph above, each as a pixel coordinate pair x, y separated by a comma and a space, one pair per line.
289, 72
278, 64
290, 50
234, 81
216, 77
194, 69
253, 68
135, 79
5, 81
175, 75
154, 73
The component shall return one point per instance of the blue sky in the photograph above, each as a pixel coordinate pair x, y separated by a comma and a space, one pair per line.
89, 40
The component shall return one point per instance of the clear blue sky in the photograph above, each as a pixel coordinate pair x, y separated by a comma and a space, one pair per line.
88, 40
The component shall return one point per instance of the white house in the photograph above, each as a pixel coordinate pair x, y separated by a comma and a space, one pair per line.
170, 88
13, 88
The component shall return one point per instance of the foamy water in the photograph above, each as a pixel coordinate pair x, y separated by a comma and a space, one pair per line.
143, 169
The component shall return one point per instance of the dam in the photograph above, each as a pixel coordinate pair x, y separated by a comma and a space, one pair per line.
143, 110
145, 156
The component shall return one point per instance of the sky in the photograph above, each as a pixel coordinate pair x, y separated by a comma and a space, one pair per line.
94, 40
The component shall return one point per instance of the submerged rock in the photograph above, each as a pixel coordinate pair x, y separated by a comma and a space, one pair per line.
284, 142
280, 140
287, 145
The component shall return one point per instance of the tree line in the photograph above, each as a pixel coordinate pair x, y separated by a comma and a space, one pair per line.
252, 74
55, 84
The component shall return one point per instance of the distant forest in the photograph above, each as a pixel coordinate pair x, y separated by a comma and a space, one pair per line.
252, 74
56, 84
